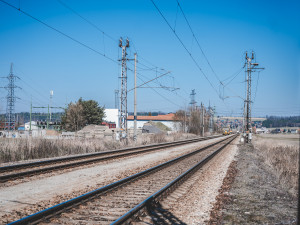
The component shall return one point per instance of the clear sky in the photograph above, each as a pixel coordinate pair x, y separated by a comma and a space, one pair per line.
46, 60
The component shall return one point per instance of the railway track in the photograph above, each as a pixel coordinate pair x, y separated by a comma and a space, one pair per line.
18, 171
128, 198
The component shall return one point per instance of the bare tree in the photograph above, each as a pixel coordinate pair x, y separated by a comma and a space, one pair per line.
181, 117
73, 119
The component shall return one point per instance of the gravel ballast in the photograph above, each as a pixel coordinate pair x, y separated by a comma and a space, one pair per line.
193, 200
26, 198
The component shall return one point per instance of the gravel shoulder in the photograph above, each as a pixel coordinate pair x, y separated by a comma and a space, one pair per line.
255, 195
26, 198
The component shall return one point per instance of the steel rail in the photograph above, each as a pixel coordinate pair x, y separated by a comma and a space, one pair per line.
69, 158
56, 209
12, 176
163, 192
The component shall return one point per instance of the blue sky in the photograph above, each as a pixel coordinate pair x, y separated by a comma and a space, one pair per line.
46, 60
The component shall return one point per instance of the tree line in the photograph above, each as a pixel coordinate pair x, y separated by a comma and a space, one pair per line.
280, 121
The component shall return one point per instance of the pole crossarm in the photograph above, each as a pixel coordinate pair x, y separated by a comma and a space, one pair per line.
149, 81
43, 107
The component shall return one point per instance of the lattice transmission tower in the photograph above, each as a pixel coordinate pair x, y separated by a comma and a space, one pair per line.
193, 101
10, 118
250, 67
123, 92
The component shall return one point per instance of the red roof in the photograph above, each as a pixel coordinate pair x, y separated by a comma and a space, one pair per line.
168, 117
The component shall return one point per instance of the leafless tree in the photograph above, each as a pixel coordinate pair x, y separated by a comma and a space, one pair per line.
74, 119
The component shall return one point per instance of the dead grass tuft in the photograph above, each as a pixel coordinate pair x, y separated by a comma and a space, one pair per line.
284, 161
158, 138
12, 150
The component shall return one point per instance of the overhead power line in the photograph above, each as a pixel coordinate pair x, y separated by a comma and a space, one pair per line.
89, 22
184, 46
60, 32
85, 45
185, 18
160, 94
194, 36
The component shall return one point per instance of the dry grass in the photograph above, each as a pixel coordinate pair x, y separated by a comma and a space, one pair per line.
283, 159
12, 150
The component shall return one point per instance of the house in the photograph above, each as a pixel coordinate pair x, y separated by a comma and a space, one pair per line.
261, 130
294, 131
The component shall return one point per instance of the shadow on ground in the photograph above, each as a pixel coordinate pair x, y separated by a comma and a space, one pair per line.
159, 215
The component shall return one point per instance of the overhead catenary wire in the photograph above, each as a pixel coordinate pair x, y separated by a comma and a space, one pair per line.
184, 46
198, 44
204, 55
88, 21
69, 37
190, 54
60, 32
232, 77
159, 93
66, 35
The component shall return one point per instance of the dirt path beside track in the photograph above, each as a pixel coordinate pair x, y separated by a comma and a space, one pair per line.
255, 196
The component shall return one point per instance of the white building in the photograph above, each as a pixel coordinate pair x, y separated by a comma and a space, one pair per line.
167, 120
112, 115
33, 126
262, 130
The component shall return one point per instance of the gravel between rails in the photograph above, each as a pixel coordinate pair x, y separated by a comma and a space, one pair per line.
26, 198
192, 202
106, 208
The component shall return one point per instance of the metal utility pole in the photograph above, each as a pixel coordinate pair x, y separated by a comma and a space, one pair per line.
51, 95
211, 119
30, 118
44, 107
116, 99
203, 120
193, 102
123, 98
135, 113
250, 67
10, 118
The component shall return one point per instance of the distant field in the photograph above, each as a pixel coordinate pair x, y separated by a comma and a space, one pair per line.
279, 139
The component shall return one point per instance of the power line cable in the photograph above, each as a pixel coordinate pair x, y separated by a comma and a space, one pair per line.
198, 44
81, 43
189, 53
234, 76
60, 32
160, 94
86, 20
194, 36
